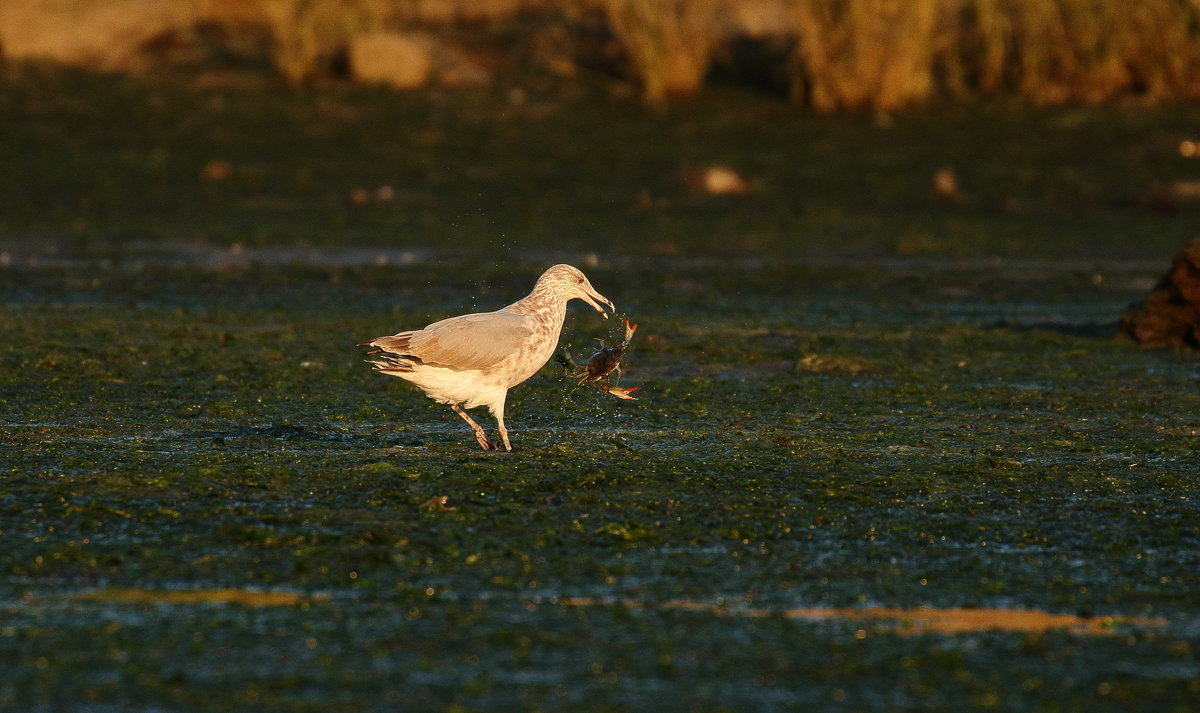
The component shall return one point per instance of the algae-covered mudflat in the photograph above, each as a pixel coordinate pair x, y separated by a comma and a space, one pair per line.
889, 453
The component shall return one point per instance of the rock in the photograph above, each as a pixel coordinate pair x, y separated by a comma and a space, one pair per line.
945, 185
1172, 196
1170, 314
716, 181
107, 36
402, 61
217, 170
757, 18
412, 60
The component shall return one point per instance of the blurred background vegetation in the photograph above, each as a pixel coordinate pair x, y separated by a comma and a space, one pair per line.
971, 128
829, 55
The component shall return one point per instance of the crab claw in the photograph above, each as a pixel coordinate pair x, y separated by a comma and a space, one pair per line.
629, 330
621, 393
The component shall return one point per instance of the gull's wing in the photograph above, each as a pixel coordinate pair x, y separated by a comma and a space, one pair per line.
472, 341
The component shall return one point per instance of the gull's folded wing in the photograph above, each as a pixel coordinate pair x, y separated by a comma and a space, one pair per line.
472, 341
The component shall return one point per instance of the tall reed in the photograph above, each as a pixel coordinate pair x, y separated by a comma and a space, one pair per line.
859, 54
1070, 50
882, 54
669, 42
973, 46
1161, 43
1091, 51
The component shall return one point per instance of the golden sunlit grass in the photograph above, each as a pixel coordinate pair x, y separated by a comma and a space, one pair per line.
880, 55
669, 42
872, 54
1091, 50
856, 54
919, 620
831, 364
971, 48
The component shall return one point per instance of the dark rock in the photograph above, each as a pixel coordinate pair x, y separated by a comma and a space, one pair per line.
1170, 314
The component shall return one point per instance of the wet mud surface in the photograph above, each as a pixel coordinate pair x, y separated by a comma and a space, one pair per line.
204, 489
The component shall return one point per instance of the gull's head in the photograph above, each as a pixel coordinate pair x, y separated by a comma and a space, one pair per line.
569, 283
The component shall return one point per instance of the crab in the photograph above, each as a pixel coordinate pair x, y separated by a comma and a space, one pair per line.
605, 362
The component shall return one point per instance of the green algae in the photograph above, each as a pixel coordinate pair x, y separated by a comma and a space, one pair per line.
959, 463
823, 422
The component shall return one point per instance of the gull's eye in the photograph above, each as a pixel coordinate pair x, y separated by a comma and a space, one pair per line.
579, 280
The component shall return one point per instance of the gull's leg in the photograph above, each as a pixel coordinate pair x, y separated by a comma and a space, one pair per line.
480, 434
503, 434
498, 412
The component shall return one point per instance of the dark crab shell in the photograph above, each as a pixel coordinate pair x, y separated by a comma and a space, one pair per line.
603, 362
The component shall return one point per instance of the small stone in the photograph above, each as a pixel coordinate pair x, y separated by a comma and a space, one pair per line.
217, 170
717, 181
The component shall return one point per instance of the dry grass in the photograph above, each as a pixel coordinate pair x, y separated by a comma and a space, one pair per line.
669, 42
1091, 51
855, 54
880, 55
1162, 46
307, 30
849, 54
1071, 50
972, 46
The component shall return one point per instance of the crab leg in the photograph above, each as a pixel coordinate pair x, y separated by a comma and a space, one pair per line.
566, 360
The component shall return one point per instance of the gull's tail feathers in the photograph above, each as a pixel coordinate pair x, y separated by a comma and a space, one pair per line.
393, 357
394, 365
395, 344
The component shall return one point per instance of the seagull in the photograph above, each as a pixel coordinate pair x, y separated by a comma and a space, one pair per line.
474, 359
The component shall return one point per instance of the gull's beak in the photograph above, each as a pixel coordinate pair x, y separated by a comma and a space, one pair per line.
593, 298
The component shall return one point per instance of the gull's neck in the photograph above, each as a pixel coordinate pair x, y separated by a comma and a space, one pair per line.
545, 305
543, 298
